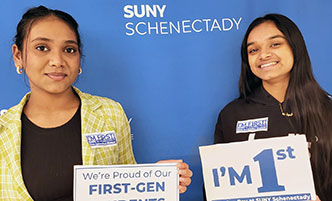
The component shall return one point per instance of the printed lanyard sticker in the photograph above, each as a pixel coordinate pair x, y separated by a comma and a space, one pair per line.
274, 169
140, 182
103, 139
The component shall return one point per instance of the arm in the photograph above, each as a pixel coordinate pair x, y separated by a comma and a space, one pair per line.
218, 133
126, 155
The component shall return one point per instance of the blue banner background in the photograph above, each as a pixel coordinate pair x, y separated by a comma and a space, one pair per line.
171, 85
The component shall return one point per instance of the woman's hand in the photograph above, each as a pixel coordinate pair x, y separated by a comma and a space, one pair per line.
184, 172
317, 198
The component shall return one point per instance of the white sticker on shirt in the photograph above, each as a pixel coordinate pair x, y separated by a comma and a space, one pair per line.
252, 125
104, 139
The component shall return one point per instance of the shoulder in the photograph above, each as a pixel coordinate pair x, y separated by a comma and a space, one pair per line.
101, 105
93, 100
239, 107
10, 113
235, 105
104, 101
226, 123
10, 122
14, 113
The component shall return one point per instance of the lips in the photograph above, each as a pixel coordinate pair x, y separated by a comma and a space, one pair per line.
56, 76
269, 64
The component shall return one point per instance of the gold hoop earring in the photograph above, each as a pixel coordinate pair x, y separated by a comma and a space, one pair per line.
80, 71
19, 70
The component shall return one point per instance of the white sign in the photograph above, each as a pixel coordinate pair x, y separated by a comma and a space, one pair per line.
148, 182
274, 169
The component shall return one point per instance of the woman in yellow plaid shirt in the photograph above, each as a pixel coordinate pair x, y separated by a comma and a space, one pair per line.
43, 136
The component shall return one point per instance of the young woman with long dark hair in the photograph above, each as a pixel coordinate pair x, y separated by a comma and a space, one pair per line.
277, 82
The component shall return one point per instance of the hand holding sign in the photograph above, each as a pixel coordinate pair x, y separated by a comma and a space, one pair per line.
184, 172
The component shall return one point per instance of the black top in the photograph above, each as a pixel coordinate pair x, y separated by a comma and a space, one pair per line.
260, 112
48, 156
261, 115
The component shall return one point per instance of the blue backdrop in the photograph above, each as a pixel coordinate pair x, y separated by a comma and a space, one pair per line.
172, 67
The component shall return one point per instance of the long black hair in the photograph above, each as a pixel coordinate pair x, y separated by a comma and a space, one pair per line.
311, 105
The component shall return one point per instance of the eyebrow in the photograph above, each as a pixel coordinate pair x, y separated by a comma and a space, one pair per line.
49, 40
272, 37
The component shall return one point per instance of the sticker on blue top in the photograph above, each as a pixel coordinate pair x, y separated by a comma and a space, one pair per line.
103, 139
252, 125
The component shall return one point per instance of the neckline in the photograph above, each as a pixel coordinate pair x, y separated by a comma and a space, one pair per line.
262, 96
29, 123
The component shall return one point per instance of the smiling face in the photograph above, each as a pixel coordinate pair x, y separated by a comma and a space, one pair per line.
269, 54
50, 56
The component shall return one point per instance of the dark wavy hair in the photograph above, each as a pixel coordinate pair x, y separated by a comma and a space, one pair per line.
311, 105
36, 13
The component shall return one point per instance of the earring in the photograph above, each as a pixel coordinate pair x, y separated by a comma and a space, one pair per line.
19, 70
80, 71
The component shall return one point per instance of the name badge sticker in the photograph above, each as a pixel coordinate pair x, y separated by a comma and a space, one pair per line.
104, 139
252, 125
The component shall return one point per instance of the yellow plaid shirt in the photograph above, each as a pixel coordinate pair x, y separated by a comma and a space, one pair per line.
98, 114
